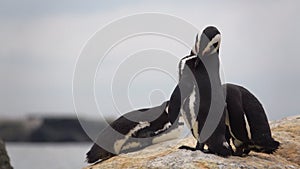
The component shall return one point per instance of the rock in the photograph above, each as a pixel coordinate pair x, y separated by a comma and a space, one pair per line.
287, 132
4, 159
167, 154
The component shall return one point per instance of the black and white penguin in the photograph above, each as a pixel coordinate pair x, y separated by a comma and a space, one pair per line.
247, 123
133, 131
199, 95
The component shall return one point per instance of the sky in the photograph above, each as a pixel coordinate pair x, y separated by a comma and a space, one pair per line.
42, 40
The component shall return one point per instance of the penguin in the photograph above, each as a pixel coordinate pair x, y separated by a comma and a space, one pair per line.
247, 123
199, 91
133, 131
243, 114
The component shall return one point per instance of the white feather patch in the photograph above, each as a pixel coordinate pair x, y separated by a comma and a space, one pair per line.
185, 118
119, 143
236, 141
194, 121
232, 145
205, 147
131, 145
225, 144
167, 109
173, 134
166, 126
247, 127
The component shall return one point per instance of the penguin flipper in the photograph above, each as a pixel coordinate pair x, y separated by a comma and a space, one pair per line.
174, 105
187, 148
181, 91
260, 128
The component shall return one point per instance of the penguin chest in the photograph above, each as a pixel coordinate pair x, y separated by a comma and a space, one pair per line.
189, 111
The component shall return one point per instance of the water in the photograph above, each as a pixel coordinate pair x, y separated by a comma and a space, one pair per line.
47, 155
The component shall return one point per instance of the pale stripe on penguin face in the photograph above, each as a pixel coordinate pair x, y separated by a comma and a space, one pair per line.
209, 46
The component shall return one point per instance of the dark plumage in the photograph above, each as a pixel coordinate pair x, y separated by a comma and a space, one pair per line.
200, 98
199, 94
133, 131
247, 122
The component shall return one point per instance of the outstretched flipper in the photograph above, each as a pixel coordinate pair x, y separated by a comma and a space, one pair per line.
133, 131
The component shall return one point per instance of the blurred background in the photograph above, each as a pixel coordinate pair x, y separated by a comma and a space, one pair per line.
41, 40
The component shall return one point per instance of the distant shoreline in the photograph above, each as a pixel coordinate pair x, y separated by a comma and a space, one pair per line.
49, 129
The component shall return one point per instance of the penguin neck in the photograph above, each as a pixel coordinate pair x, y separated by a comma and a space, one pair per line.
212, 65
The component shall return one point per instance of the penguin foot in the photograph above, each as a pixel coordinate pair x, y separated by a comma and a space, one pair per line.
187, 148
195, 149
246, 151
242, 151
199, 146
267, 150
221, 150
224, 152
238, 153
268, 147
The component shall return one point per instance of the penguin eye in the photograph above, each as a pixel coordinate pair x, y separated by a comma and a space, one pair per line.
215, 44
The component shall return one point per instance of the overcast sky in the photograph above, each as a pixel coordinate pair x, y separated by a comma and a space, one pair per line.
41, 40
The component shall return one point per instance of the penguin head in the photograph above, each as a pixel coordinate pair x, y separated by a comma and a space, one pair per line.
207, 43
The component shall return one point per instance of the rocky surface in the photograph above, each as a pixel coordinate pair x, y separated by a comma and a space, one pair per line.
4, 159
167, 154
